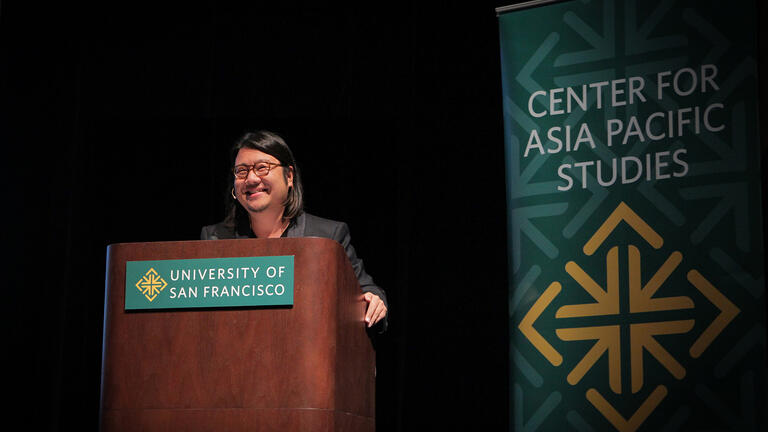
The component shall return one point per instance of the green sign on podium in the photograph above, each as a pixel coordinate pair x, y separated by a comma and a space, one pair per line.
209, 283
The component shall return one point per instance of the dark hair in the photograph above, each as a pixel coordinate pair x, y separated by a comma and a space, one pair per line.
273, 145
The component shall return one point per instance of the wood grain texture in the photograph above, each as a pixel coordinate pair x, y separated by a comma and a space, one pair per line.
262, 420
312, 362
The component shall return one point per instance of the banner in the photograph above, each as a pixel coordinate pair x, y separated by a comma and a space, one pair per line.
637, 297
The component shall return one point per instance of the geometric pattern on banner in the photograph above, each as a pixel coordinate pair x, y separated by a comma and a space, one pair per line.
643, 296
634, 305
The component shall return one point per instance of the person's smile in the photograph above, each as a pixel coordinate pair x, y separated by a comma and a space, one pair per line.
256, 193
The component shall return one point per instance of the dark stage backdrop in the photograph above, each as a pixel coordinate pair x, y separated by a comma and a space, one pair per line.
117, 121
116, 124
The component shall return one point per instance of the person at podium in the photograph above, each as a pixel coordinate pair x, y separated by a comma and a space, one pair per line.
267, 202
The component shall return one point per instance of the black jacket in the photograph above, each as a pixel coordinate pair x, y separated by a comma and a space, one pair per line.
307, 225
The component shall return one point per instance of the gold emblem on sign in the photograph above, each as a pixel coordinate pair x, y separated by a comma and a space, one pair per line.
151, 284
642, 336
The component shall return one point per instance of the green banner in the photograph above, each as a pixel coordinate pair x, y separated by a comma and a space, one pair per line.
637, 297
209, 283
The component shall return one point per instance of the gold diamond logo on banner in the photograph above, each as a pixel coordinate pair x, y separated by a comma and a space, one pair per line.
642, 298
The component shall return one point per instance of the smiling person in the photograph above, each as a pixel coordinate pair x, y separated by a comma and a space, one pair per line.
267, 202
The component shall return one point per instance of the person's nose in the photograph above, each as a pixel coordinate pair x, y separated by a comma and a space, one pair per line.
252, 178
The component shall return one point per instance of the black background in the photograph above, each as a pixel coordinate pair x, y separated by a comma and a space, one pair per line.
117, 121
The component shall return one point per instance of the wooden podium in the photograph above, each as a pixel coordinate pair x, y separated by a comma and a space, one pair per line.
309, 367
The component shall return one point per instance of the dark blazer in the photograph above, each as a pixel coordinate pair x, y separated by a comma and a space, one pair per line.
307, 225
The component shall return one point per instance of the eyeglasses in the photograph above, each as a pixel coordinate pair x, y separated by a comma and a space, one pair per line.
261, 169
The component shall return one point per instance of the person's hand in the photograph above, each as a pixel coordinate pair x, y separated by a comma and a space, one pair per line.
376, 310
